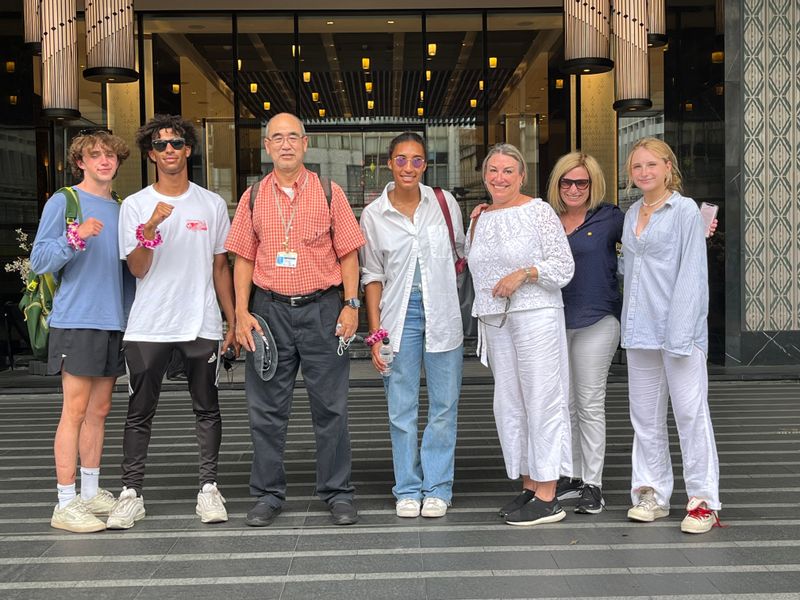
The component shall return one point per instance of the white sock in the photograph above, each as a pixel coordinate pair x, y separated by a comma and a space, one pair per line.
207, 487
66, 494
90, 479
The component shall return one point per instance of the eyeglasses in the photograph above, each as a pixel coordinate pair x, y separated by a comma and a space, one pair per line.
503, 320
278, 139
401, 161
161, 145
581, 184
93, 130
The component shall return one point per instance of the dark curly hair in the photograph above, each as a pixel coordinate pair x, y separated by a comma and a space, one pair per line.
149, 131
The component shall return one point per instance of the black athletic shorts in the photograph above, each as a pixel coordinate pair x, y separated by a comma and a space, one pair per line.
85, 352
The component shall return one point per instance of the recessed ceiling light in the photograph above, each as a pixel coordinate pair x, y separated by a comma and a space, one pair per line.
390, 22
329, 23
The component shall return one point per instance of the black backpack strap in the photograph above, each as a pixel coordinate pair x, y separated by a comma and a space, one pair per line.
326, 187
253, 194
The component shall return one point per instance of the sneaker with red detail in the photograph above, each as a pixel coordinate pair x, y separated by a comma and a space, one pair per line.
699, 518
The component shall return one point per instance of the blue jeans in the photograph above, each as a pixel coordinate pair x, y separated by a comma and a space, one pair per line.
426, 470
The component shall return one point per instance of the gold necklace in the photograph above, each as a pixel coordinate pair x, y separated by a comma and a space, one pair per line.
657, 202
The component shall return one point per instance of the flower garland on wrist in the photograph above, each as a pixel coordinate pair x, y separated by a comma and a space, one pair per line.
144, 242
376, 336
73, 239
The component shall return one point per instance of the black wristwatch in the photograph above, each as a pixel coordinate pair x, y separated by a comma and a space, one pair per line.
354, 303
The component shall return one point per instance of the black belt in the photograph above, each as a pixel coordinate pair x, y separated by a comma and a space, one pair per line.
299, 300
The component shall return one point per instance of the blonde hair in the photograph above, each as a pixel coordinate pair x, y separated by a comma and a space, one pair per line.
87, 141
565, 164
506, 150
674, 180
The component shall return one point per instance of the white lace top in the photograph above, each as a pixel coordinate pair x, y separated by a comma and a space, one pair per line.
530, 235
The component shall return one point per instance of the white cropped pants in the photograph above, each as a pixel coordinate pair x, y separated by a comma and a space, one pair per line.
528, 358
653, 377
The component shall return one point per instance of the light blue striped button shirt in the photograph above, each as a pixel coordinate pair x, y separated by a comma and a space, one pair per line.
665, 270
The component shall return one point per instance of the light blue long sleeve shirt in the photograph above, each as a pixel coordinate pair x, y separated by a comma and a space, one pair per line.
665, 270
91, 292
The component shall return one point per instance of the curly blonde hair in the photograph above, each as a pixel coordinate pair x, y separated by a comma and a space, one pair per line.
87, 141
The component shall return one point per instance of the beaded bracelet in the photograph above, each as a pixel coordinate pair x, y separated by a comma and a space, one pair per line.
376, 336
144, 242
73, 239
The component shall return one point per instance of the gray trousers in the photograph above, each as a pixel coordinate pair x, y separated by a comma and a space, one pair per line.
304, 337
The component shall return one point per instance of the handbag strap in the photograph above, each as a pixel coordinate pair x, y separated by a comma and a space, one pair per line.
447, 219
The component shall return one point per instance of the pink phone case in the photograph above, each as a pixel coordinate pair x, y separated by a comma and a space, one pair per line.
709, 213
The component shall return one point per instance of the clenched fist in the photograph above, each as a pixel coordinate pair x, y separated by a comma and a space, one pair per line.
160, 214
90, 228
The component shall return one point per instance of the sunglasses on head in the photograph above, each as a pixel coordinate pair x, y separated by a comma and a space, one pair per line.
161, 145
416, 162
581, 184
92, 130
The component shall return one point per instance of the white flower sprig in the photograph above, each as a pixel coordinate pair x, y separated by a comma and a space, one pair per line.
21, 264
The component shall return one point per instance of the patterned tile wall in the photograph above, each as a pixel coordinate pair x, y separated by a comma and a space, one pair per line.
771, 166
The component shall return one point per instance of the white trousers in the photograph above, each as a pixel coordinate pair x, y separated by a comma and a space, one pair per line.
528, 358
591, 350
653, 377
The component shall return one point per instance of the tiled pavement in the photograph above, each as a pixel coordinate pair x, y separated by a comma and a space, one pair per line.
467, 554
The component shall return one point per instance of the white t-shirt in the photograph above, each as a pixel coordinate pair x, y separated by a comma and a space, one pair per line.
176, 300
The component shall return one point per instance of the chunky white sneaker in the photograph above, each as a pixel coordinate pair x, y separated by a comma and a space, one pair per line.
101, 504
76, 517
407, 508
434, 507
699, 518
128, 509
211, 505
647, 509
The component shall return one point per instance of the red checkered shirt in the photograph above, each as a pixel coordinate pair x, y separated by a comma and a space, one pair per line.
259, 236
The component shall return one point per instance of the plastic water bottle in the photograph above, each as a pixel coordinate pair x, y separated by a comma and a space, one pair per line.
387, 356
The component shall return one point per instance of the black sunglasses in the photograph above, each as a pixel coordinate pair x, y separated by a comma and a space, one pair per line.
581, 184
161, 145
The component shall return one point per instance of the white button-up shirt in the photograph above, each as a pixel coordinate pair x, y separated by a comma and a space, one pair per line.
394, 245
665, 300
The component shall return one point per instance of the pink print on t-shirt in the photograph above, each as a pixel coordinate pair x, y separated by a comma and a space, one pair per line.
196, 225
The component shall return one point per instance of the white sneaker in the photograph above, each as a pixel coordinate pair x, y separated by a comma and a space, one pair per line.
128, 509
647, 509
101, 504
210, 505
76, 517
699, 518
407, 508
434, 507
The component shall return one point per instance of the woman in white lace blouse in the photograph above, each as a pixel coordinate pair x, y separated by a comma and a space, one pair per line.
520, 259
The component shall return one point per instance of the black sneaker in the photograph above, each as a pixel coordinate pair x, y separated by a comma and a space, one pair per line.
537, 512
591, 501
518, 502
343, 513
262, 514
568, 488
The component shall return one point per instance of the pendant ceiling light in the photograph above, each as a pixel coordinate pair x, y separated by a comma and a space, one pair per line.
110, 45
33, 25
632, 72
59, 60
587, 37
656, 23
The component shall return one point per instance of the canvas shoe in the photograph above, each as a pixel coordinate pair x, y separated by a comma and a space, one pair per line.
101, 504
434, 507
647, 509
76, 517
128, 509
407, 508
537, 512
699, 518
591, 501
568, 488
211, 505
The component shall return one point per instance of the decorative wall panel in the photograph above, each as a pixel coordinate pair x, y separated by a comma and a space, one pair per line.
771, 164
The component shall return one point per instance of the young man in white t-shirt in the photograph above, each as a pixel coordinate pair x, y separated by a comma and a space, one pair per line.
172, 234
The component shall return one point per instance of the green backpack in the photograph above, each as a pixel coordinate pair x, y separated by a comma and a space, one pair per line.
37, 300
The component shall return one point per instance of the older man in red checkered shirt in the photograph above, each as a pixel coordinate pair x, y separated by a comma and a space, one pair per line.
299, 251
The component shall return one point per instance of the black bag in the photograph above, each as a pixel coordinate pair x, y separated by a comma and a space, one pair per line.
466, 293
